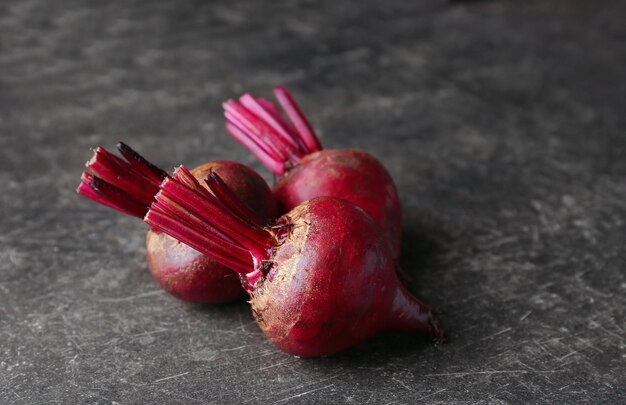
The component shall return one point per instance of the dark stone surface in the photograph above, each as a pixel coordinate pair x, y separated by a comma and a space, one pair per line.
503, 123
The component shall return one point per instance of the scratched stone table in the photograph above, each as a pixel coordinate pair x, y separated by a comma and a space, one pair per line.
503, 124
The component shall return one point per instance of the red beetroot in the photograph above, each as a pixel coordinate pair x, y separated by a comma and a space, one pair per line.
321, 278
291, 150
130, 185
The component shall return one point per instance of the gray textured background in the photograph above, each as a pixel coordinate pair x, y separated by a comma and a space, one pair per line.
502, 122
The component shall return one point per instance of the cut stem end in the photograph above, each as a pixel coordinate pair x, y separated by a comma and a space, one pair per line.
278, 142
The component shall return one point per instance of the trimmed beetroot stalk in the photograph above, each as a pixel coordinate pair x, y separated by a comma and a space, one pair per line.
321, 278
290, 149
129, 186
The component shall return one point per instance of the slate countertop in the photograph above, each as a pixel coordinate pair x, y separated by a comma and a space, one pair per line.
503, 124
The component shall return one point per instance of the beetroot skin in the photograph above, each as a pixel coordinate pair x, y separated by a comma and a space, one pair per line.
321, 278
333, 284
186, 273
292, 151
129, 186
189, 275
348, 174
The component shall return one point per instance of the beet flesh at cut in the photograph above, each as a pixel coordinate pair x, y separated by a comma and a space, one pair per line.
129, 186
290, 149
321, 278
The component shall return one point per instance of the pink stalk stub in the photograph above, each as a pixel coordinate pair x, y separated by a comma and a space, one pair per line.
278, 142
306, 170
129, 183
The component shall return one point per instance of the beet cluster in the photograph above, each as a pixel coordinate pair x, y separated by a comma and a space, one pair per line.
316, 255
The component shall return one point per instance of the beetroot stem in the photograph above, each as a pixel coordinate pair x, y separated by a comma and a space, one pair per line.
261, 124
185, 177
128, 186
268, 118
192, 215
278, 142
226, 195
100, 191
121, 174
217, 212
140, 164
273, 164
298, 119
271, 108
257, 129
172, 209
183, 200
228, 255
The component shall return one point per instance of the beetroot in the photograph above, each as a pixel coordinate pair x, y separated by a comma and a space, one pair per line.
130, 185
321, 278
291, 150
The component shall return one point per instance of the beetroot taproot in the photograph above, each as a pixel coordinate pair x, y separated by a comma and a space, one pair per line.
321, 278
290, 149
129, 186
